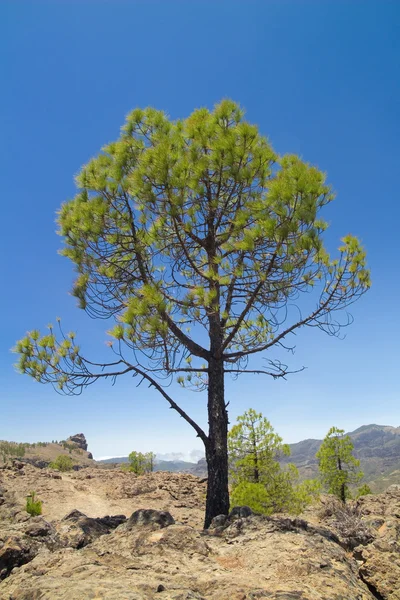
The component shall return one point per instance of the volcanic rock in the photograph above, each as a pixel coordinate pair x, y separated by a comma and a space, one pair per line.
80, 440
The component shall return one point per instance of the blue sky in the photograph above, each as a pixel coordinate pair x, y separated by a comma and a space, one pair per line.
321, 79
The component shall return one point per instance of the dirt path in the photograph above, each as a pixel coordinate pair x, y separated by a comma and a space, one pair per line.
97, 492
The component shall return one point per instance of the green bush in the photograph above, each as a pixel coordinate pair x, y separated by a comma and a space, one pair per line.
363, 490
33, 506
62, 463
281, 495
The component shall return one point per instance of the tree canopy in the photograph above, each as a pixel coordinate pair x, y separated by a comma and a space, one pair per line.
197, 240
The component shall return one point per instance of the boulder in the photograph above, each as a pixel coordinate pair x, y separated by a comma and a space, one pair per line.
38, 527
16, 551
150, 516
240, 512
76, 530
219, 521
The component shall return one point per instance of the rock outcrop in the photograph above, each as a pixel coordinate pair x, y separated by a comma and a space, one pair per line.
161, 553
145, 517
80, 440
254, 557
380, 559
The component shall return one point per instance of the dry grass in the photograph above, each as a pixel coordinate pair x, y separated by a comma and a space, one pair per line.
347, 521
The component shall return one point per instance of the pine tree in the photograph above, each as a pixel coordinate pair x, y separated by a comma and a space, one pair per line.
338, 467
199, 241
141, 463
257, 478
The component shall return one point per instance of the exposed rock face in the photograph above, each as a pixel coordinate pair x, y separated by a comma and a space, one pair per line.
80, 440
254, 557
14, 552
151, 556
381, 559
200, 469
76, 530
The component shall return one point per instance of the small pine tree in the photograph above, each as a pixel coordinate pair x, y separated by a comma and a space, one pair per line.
140, 463
257, 478
337, 465
33, 506
363, 490
254, 449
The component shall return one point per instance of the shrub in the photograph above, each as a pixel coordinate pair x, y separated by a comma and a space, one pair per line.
363, 490
62, 463
347, 520
303, 494
33, 506
281, 495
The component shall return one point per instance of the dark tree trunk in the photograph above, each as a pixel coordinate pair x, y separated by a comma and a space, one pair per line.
256, 470
343, 485
217, 502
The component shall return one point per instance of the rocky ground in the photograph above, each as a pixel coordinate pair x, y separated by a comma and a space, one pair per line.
85, 546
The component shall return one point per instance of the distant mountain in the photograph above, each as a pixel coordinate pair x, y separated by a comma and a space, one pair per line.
200, 469
377, 447
114, 460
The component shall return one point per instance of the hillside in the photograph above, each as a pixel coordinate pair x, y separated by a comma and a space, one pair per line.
376, 446
41, 454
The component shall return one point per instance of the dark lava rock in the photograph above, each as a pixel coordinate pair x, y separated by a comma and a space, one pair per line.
219, 521
36, 462
80, 440
38, 527
77, 530
240, 512
14, 553
150, 517
111, 522
74, 515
